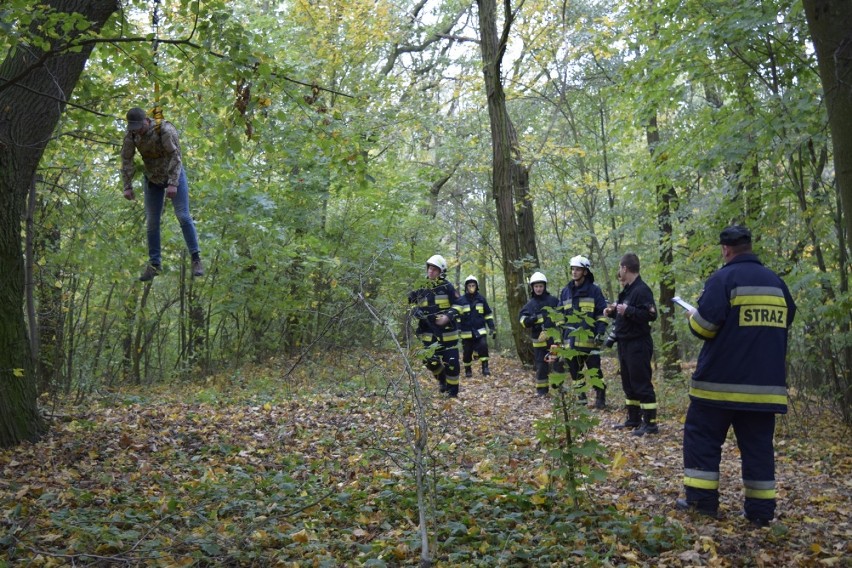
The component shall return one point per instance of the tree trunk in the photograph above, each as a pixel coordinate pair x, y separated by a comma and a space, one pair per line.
510, 176
33, 95
666, 196
50, 315
830, 22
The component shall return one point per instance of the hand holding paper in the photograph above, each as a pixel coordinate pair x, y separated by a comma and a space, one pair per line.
683, 304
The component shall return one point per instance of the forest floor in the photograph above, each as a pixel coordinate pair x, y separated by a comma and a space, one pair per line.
262, 468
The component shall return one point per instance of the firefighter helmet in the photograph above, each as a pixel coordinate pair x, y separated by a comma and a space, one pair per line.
538, 277
582, 262
438, 262
471, 278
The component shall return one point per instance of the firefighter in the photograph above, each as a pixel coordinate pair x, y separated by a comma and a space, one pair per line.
743, 316
437, 311
634, 311
475, 316
535, 316
582, 306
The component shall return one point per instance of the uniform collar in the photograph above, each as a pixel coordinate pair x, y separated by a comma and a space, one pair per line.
744, 257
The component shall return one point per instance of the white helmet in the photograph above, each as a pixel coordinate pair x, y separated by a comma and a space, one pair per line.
471, 278
580, 262
438, 262
538, 277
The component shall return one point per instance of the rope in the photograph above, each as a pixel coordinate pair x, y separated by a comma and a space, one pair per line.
157, 111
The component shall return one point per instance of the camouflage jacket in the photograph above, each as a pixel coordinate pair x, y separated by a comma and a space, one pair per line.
160, 151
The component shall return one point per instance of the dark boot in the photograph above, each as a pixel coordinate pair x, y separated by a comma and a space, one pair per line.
542, 392
468, 372
453, 390
150, 272
700, 508
600, 398
197, 266
485, 371
649, 423
633, 419
442, 383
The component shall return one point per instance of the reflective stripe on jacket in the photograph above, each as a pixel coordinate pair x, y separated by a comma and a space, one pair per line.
743, 316
583, 309
437, 297
475, 316
535, 317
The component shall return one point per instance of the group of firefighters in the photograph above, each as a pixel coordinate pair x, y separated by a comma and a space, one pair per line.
743, 317
578, 313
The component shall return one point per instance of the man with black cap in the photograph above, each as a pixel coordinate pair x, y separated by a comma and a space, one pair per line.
163, 177
743, 315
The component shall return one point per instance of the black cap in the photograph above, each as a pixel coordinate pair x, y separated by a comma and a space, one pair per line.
136, 118
734, 235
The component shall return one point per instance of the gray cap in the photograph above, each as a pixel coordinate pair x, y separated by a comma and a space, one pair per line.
734, 235
136, 118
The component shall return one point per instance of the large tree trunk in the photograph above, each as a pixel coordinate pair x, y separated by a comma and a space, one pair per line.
35, 89
666, 199
510, 176
830, 22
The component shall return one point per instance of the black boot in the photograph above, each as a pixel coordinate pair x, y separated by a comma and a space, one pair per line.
442, 382
600, 398
453, 390
649, 423
468, 372
485, 371
542, 391
633, 419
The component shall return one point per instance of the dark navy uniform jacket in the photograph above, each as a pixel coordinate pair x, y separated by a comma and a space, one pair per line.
439, 296
641, 310
583, 308
535, 317
475, 315
743, 316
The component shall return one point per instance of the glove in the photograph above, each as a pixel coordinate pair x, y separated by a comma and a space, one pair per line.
493, 334
552, 355
412, 297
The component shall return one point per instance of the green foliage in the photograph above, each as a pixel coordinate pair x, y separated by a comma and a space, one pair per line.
315, 151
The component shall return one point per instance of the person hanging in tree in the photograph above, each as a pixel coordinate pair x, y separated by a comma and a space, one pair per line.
163, 176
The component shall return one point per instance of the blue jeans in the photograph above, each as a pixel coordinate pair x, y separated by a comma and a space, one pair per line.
155, 196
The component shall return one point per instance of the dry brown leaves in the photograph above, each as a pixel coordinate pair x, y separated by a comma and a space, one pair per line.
103, 454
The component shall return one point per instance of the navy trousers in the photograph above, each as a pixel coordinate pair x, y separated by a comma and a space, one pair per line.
704, 432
